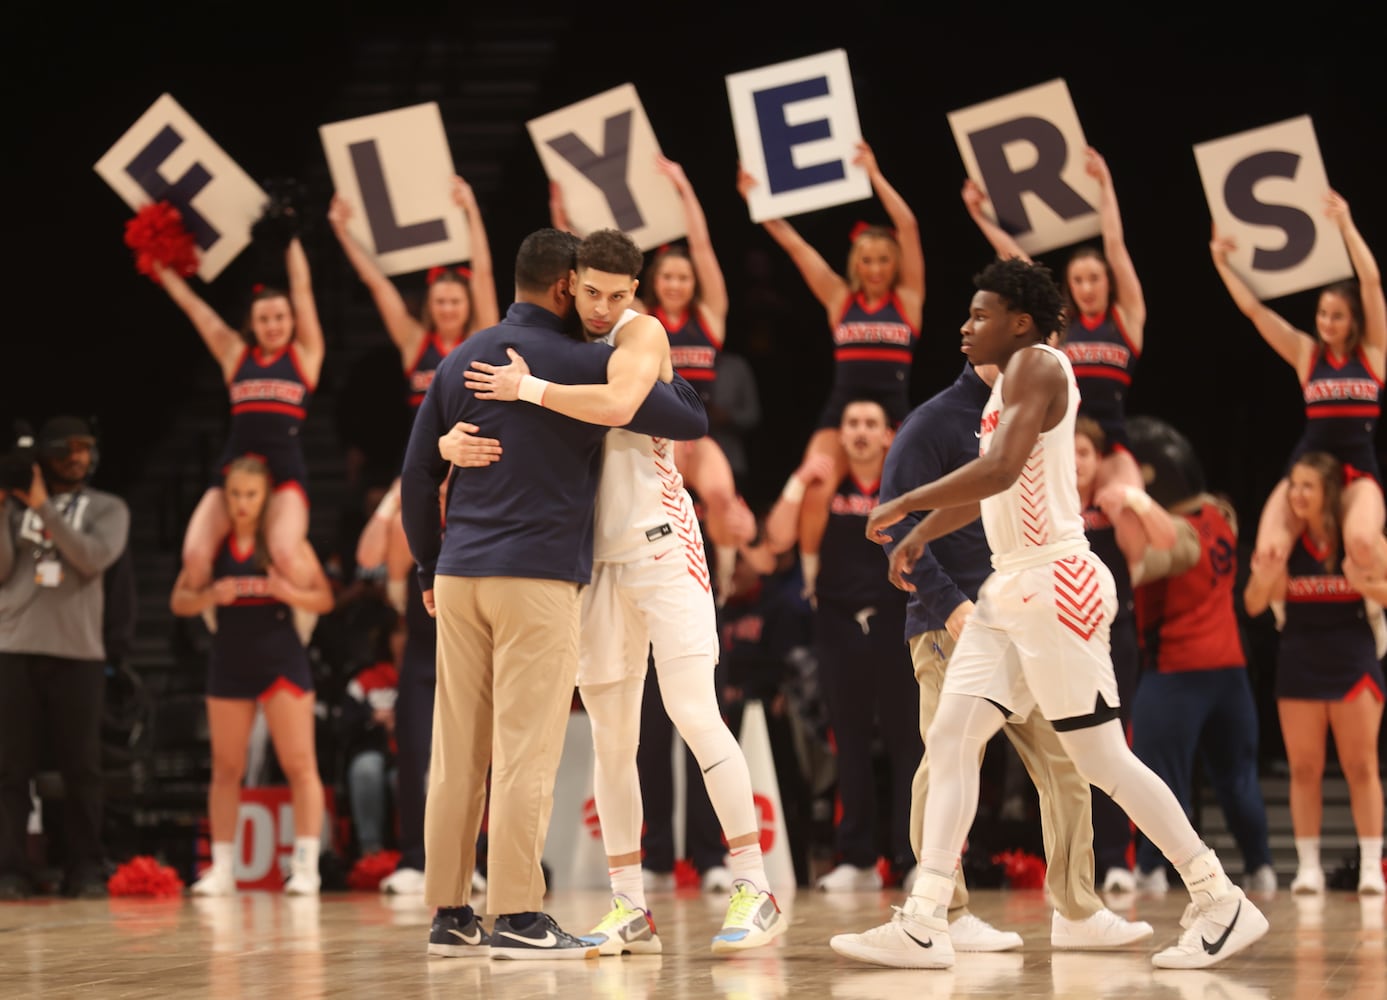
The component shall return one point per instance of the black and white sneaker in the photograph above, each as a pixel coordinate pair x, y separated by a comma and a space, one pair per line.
454, 938
543, 940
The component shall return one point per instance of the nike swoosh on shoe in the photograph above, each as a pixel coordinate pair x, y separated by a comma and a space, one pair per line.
474, 938
548, 941
922, 944
1214, 947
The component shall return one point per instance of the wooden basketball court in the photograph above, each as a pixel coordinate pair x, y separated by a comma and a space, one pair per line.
366, 945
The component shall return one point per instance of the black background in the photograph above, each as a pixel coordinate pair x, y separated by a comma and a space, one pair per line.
85, 333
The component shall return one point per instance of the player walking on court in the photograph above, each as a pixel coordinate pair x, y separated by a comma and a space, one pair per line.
1038, 637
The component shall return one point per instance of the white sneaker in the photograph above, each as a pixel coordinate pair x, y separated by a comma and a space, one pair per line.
1104, 929
717, 879
1263, 880
1153, 881
1370, 881
1213, 933
971, 933
1119, 880
907, 941
302, 883
850, 878
214, 882
1308, 881
403, 882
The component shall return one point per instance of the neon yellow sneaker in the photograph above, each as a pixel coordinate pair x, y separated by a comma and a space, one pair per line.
753, 919
626, 929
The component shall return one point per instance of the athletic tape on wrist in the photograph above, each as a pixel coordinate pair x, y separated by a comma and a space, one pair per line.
532, 389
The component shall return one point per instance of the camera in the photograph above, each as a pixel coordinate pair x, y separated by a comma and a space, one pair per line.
17, 461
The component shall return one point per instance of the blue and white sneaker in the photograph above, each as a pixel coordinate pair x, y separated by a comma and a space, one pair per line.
626, 929
543, 940
454, 938
753, 919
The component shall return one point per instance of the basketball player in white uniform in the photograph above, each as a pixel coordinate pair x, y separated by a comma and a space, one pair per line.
650, 586
1038, 638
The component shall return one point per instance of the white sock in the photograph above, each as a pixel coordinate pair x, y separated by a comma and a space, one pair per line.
224, 858
1205, 878
1307, 852
747, 865
306, 855
1369, 854
626, 881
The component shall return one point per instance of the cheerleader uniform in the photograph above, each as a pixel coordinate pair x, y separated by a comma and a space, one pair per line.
868, 679
256, 650
692, 352
1104, 359
269, 402
872, 353
1342, 402
426, 362
1327, 650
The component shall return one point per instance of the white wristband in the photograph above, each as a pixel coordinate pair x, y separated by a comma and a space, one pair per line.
1138, 500
794, 489
532, 389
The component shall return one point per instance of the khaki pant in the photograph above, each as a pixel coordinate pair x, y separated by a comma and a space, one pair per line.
507, 665
1066, 809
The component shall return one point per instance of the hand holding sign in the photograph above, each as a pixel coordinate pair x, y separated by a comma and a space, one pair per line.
796, 126
599, 156
1266, 188
1022, 150
166, 156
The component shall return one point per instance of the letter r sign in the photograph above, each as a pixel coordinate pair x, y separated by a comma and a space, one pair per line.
1026, 151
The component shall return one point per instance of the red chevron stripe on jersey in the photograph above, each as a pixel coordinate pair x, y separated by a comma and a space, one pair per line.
1035, 515
675, 501
1078, 602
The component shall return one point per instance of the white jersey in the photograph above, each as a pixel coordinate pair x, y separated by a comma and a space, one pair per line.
642, 506
1039, 517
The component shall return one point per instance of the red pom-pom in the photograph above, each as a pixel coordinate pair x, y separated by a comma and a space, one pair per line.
367, 873
1023, 871
144, 876
686, 875
157, 236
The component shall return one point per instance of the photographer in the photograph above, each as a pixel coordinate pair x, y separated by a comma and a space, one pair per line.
57, 539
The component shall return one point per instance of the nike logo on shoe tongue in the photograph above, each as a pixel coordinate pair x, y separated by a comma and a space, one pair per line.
1214, 947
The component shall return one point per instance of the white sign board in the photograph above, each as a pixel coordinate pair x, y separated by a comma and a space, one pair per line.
601, 153
396, 172
1266, 190
166, 156
797, 134
1026, 150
